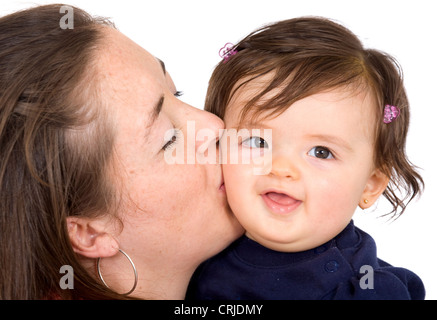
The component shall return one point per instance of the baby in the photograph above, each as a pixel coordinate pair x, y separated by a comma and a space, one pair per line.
339, 116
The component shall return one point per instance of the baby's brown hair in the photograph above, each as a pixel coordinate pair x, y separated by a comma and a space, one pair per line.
309, 55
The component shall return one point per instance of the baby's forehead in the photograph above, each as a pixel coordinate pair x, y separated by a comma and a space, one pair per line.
249, 93
255, 101
247, 88
329, 116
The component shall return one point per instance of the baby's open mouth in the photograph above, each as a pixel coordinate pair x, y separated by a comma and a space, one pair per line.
280, 202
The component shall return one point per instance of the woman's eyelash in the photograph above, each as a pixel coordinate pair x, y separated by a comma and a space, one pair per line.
172, 140
178, 94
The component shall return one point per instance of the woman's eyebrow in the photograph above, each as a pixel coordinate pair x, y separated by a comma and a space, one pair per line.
156, 111
158, 106
154, 115
162, 65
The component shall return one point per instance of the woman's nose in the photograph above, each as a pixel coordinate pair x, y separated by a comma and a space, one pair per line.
207, 129
209, 126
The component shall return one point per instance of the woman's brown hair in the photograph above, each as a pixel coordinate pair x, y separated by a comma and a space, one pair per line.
308, 55
55, 149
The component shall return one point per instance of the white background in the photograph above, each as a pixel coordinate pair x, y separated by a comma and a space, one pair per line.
188, 34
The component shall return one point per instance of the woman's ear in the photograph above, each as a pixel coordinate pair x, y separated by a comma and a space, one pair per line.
376, 184
90, 237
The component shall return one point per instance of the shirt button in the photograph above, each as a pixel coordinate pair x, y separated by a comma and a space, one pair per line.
331, 266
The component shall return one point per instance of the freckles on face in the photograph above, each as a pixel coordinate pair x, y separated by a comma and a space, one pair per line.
173, 215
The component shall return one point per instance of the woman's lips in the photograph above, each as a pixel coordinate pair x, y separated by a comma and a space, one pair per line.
222, 187
222, 184
280, 203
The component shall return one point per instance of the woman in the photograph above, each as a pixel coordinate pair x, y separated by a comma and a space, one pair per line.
84, 121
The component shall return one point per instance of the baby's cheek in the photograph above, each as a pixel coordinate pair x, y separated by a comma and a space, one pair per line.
334, 200
232, 179
237, 184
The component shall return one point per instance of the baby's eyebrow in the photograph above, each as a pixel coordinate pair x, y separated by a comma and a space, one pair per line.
251, 125
331, 139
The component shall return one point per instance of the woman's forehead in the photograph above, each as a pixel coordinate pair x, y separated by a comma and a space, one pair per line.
128, 73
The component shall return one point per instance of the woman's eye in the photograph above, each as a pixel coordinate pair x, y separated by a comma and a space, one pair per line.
171, 137
255, 142
321, 153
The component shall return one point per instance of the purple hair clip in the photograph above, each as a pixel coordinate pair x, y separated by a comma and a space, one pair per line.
390, 113
227, 51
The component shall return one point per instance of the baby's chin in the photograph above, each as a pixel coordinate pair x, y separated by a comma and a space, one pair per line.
295, 244
277, 244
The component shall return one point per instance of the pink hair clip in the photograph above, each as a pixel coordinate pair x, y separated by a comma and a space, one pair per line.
390, 113
227, 51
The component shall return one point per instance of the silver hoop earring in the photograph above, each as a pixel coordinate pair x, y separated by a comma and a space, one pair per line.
133, 267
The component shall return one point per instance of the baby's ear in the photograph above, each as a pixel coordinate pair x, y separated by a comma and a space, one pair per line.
376, 184
90, 237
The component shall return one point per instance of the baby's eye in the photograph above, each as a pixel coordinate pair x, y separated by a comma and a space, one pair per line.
321, 153
255, 142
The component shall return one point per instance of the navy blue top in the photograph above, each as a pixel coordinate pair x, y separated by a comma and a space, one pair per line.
344, 268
